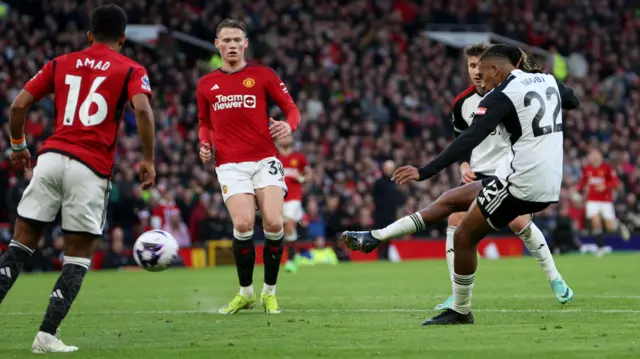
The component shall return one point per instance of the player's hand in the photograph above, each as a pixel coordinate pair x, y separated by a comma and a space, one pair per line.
279, 129
205, 153
147, 174
21, 159
467, 174
405, 174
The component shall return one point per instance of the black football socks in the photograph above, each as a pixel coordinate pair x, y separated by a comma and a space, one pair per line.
11, 263
244, 252
272, 255
64, 292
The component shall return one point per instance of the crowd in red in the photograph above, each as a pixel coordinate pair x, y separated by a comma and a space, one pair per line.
370, 87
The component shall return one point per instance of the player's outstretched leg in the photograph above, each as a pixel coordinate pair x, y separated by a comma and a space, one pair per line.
242, 211
26, 235
537, 245
454, 200
78, 248
473, 228
290, 237
270, 200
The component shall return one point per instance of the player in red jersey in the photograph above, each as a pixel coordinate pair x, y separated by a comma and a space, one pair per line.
232, 113
74, 164
600, 180
296, 172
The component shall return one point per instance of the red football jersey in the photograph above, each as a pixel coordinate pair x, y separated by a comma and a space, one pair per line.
592, 177
90, 88
294, 165
232, 112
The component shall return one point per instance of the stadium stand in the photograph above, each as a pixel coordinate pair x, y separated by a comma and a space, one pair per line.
370, 87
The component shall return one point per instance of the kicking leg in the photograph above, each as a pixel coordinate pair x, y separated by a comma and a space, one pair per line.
78, 248
473, 228
537, 245
452, 224
241, 208
26, 234
270, 200
451, 201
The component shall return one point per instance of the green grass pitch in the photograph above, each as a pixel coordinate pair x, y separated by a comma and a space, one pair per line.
371, 310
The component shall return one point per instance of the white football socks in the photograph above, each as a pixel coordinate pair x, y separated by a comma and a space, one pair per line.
462, 287
537, 245
247, 291
449, 248
406, 225
269, 289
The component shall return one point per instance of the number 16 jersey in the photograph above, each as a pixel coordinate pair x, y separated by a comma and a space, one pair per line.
91, 88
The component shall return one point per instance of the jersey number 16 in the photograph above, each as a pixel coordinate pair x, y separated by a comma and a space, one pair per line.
74, 83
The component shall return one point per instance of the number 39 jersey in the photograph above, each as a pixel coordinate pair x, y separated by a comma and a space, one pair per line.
531, 107
90, 88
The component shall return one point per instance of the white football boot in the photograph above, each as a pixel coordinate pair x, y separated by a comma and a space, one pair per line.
47, 343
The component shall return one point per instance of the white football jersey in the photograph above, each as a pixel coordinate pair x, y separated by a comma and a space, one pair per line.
486, 156
532, 127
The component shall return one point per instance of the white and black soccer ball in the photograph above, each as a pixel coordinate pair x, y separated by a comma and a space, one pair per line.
155, 250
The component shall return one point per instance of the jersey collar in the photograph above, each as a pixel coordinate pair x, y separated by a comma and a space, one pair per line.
238, 70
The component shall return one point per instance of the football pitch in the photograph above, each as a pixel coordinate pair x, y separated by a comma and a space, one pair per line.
370, 310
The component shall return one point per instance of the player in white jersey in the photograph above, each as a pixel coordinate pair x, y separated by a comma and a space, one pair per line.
482, 164
526, 107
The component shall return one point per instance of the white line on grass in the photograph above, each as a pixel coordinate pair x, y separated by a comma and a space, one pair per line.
393, 310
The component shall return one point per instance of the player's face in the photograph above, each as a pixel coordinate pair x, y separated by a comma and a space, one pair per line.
231, 43
286, 143
488, 72
474, 70
595, 158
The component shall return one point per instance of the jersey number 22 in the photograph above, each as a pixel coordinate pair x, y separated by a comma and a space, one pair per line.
540, 115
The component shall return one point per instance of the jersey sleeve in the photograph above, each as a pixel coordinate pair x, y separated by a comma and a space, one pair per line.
567, 97
492, 111
138, 83
205, 129
279, 93
43, 82
583, 179
459, 126
612, 178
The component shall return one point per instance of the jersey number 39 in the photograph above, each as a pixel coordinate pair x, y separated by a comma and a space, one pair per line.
540, 115
74, 83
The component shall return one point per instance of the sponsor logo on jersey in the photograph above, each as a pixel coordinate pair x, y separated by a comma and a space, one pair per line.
249, 82
146, 85
224, 102
481, 111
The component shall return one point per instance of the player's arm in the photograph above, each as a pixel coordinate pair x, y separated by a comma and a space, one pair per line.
139, 92
39, 86
205, 129
279, 93
459, 126
492, 111
567, 97
612, 179
583, 180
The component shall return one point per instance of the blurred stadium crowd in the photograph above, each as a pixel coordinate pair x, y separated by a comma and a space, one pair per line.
369, 85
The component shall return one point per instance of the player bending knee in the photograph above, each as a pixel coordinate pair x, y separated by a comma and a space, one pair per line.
77, 161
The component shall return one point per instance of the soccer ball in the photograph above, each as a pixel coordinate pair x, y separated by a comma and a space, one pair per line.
155, 250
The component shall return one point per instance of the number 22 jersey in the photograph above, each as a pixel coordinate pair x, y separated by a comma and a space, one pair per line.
91, 88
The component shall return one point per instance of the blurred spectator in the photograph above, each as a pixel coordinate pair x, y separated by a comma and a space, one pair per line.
15, 192
176, 227
564, 236
387, 200
115, 258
